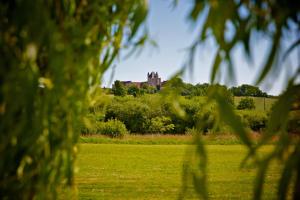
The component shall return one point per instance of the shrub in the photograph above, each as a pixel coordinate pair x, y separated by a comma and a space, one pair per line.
132, 112
113, 128
255, 120
246, 103
133, 90
119, 89
160, 125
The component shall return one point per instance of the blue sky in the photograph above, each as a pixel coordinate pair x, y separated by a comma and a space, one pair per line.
173, 33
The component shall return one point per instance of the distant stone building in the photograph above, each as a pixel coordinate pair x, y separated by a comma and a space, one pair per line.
153, 79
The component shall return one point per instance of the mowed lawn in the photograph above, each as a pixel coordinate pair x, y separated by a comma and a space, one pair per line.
123, 171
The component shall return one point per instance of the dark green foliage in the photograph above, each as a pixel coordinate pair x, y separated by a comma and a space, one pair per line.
248, 90
187, 89
246, 103
200, 89
133, 90
149, 114
147, 89
119, 89
138, 113
132, 112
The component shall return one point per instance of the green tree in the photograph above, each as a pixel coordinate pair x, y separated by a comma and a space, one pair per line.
133, 90
246, 103
200, 89
49, 69
248, 90
119, 89
146, 88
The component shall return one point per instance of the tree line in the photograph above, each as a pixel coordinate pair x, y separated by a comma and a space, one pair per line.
184, 89
158, 114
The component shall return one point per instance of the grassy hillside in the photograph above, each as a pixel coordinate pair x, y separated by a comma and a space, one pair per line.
261, 103
114, 171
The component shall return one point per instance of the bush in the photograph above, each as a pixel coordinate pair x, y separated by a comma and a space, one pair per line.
132, 112
255, 120
113, 128
133, 90
160, 125
119, 89
246, 103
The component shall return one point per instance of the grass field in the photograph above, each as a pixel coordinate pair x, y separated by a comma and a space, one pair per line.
123, 171
261, 103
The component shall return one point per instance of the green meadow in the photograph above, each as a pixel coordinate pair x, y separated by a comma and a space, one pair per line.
126, 171
261, 103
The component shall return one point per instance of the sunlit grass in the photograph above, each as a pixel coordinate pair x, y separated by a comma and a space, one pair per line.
118, 171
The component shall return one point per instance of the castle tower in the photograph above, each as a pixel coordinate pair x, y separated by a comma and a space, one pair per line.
153, 79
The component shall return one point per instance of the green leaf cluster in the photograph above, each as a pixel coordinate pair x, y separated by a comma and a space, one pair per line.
53, 54
233, 23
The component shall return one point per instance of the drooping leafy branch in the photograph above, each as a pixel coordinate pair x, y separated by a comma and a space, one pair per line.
230, 23
53, 54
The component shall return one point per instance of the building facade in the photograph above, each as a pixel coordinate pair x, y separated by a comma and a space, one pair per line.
153, 79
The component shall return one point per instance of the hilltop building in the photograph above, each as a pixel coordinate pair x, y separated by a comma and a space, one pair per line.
153, 79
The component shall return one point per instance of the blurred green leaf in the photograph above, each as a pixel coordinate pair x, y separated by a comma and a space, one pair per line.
286, 176
50, 66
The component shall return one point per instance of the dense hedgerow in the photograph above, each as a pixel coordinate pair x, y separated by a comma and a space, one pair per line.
153, 113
